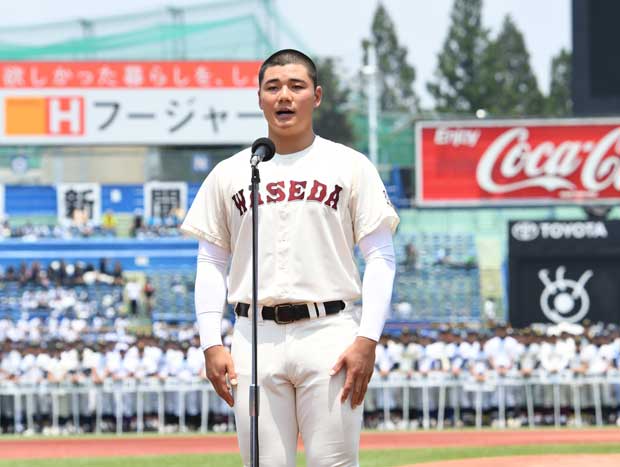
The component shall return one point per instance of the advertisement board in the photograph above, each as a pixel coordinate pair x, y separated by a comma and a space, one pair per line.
564, 271
78, 203
518, 162
163, 199
159, 103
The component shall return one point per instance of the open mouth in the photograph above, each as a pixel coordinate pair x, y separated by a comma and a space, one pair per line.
285, 113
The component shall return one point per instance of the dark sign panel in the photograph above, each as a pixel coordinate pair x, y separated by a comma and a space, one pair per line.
564, 271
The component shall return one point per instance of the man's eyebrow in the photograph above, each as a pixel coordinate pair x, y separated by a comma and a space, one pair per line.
277, 80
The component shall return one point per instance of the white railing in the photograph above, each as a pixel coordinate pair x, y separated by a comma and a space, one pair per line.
391, 394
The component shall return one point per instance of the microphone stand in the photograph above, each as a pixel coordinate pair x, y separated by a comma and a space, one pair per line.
254, 388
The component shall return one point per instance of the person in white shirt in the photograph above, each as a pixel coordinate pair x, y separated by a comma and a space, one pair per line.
173, 364
501, 350
145, 369
385, 362
57, 375
319, 200
466, 352
196, 372
480, 371
409, 357
10, 363
432, 364
111, 361
603, 364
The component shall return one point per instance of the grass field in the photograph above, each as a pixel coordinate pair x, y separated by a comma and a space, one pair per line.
369, 458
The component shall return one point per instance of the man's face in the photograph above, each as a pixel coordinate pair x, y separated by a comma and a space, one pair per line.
288, 98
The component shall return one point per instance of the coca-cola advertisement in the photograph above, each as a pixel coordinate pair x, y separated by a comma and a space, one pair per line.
518, 162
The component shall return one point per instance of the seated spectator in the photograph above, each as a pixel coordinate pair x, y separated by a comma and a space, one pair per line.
5, 229
37, 276
411, 257
137, 225
78, 273
10, 275
117, 273
149, 294
489, 311
174, 217
444, 258
103, 265
57, 272
109, 223
23, 274
132, 289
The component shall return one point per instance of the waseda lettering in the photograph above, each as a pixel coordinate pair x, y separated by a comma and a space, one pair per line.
317, 192
239, 200
296, 190
292, 190
276, 192
260, 198
334, 197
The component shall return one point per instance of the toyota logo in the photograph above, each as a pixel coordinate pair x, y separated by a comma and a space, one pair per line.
525, 231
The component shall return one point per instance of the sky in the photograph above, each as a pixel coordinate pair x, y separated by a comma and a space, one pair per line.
336, 28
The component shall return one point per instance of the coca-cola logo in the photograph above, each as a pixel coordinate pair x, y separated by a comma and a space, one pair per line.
549, 165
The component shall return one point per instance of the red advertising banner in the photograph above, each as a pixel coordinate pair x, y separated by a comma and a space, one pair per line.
150, 75
518, 162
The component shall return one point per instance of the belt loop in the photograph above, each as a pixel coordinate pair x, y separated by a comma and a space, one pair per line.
321, 309
313, 307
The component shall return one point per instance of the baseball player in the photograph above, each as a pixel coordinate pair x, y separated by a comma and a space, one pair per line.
318, 199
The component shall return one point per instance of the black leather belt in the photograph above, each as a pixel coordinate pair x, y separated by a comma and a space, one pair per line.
287, 313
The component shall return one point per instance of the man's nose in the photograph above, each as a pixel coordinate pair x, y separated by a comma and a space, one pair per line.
285, 94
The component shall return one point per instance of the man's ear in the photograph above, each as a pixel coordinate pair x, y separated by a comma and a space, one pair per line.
318, 96
260, 101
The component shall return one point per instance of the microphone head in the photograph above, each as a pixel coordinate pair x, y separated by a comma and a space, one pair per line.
265, 148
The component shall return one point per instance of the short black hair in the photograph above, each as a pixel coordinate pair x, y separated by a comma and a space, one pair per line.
287, 57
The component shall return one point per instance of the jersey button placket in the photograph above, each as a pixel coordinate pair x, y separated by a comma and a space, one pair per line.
283, 249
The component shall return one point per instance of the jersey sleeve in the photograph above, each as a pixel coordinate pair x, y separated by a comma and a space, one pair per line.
370, 204
207, 218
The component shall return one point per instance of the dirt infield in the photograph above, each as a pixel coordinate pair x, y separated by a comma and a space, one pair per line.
153, 446
573, 460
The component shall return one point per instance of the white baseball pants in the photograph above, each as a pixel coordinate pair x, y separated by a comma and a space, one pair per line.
297, 394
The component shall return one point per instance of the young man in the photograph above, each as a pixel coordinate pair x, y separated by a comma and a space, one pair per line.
317, 200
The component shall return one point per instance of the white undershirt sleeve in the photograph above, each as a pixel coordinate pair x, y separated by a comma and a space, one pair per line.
210, 292
378, 251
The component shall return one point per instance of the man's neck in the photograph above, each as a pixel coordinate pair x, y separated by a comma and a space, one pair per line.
286, 145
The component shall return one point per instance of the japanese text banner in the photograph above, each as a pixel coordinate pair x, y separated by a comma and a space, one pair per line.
518, 162
105, 75
130, 116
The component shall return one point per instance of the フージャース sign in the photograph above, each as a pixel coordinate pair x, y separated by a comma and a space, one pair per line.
129, 103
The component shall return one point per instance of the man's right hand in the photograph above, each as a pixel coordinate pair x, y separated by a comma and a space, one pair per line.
219, 364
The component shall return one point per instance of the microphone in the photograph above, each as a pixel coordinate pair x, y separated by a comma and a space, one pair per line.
263, 150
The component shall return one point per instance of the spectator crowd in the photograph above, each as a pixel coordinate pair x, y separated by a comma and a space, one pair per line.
60, 274
411, 367
81, 227
469, 361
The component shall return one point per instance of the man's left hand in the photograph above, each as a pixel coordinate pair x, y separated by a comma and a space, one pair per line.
359, 360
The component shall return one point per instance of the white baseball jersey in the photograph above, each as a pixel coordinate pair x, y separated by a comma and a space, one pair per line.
314, 206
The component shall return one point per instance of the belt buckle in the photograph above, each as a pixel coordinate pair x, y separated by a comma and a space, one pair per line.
276, 314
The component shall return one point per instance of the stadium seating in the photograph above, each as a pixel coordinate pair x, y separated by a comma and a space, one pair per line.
442, 286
